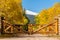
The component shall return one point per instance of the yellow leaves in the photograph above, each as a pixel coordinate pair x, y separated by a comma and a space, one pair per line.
43, 17
56, 5
12, 10
46, 16
1, 13
18, 1
25, 21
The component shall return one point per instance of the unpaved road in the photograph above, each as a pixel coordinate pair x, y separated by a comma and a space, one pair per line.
32, 38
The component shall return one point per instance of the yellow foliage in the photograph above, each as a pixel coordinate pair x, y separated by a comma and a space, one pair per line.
18, 1
12, 11
47, 15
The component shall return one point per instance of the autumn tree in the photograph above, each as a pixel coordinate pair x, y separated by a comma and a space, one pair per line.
47, 15
12, 11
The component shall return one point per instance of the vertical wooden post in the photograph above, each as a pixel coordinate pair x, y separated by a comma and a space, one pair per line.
56, 27
2, 18
47, 30
11, 29
30, 29
59, 25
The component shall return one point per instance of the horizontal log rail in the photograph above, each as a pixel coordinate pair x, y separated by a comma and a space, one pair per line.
44, 27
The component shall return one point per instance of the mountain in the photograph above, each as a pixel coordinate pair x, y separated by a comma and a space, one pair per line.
31, 16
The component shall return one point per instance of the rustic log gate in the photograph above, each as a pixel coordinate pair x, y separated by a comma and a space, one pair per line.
51, 28
10, 28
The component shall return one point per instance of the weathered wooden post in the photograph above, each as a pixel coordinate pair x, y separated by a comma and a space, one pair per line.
30, 29
59, 23
2, 18
57, 26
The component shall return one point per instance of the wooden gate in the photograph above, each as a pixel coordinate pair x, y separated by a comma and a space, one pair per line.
51, 28
10, 28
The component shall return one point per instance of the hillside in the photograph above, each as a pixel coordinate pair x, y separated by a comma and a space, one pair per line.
31, 16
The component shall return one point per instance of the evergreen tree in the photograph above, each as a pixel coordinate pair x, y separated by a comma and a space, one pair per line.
26, 21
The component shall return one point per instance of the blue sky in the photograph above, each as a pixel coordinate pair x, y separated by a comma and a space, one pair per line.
38, 5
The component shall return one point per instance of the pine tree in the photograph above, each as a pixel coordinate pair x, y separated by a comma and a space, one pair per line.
26, 21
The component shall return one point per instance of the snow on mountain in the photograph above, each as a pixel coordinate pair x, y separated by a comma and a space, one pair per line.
30, 12
31, 16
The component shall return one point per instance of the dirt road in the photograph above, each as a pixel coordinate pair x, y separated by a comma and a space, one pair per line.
32, 37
